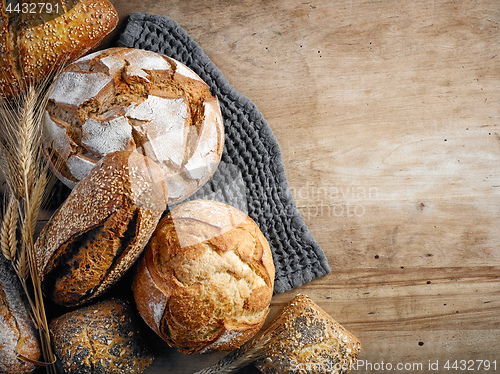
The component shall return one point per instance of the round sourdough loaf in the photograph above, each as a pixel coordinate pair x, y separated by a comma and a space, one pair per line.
206, 279
126, 99
101, 228
36, 37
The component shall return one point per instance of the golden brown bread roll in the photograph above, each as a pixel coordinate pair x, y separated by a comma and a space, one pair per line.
37, 36
17, 331
302, 339
101, 228
206, 278
305, 339
103, 338
126, 99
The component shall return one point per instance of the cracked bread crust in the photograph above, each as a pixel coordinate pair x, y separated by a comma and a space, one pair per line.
126, 99
101, 228
305, 339
34, 42
103, 338
206, 279
17, 331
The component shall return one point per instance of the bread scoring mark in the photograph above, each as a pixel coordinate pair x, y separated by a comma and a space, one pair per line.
101, 140
100, 237
81, 265
72, 89
216, 283
168, 108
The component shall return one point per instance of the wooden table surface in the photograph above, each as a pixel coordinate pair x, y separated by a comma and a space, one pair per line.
388, 117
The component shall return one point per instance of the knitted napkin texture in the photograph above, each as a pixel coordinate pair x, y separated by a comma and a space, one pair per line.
251, 175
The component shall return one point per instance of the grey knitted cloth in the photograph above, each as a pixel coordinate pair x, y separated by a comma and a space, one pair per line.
251, 175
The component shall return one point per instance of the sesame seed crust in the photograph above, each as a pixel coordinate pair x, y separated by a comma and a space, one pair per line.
44, 41
101, 228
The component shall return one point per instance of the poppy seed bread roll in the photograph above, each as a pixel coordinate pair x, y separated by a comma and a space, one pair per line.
101, 228
35, 37
206, 279
103, 338
306, 339
126, 99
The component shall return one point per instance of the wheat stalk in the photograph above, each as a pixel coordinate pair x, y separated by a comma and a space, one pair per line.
253, 350
25, 170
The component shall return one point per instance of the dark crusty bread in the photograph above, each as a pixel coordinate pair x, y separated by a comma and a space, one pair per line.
126, 99
206, 278
103, 338
33, 41
101, 228
305, 339
17, 331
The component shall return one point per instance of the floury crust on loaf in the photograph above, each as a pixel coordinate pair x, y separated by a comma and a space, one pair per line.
40, 35
17, 331
126, 99
101, 228
205, 281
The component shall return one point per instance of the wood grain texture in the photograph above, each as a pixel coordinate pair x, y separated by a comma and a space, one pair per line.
388, 117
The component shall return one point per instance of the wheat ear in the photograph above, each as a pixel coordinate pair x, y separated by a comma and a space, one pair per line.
26, 176
253, 350
8, 239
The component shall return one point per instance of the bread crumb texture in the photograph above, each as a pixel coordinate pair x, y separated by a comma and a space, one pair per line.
34, 44
103, 338
206, 280
101, 228
131, 99
307, 340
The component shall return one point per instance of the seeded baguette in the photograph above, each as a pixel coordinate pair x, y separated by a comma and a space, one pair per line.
34, 42
101, 228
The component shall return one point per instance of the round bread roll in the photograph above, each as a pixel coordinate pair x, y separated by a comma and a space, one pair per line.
306, 339
36, 37
206, 279
103, 338
126, 99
